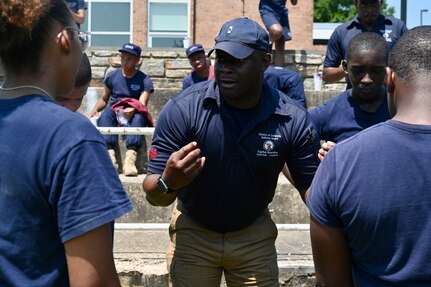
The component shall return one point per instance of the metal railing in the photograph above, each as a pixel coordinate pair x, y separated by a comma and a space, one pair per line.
125, 131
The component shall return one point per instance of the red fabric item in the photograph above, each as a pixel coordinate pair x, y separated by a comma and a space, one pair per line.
211, 74
134, 103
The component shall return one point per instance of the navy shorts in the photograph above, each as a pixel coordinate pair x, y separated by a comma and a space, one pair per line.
272, 14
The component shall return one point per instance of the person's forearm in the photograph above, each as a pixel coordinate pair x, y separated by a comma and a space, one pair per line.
144, 98
90, 260
331, 75
154, 195
100, 105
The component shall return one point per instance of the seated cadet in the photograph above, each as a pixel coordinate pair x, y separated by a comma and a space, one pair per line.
202, 70
365, 104
129, 82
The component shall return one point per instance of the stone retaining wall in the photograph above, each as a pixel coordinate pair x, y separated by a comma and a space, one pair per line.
168, 67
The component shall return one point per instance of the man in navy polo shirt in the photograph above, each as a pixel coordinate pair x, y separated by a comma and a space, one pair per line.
362, 106
218, 148
202, 70
369, 19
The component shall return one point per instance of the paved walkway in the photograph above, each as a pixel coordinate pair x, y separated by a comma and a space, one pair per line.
143, 250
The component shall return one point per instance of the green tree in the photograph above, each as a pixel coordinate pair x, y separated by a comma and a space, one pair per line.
339, 11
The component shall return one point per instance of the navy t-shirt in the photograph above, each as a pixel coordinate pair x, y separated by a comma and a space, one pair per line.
122, 87
242, 165
341, 117
278, 6
287, 81
387, 26
375, 186
191, 79
57, 182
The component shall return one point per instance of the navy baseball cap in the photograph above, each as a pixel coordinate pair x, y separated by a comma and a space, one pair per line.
240, 37
132, 49
194, 49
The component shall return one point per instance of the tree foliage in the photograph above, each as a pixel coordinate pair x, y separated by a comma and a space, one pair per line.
339, 11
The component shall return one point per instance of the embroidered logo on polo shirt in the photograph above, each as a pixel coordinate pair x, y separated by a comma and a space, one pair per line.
135, 87
386, 35
152, 154
269, 145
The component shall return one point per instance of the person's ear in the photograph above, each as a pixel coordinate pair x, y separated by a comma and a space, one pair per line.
344, 65
266, 60
390, 80
65, 42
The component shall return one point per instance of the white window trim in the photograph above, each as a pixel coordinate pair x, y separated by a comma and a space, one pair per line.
89, 2
150, 35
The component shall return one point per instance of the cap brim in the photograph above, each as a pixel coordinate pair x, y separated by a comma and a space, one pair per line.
195, 51
133, 52
236, 50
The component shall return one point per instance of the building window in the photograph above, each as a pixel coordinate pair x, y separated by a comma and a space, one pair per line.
109, 22
167, 23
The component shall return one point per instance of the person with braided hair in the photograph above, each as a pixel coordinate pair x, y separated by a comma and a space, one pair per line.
59, 192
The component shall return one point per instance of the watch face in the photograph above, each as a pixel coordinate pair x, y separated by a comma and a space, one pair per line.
162, 185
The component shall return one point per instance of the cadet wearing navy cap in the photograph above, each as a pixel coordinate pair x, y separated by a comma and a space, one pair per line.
131, 85
202, 70
131, 48
218, 148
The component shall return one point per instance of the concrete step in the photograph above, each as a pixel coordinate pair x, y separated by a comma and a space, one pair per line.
286, 208
140, 256
141, 238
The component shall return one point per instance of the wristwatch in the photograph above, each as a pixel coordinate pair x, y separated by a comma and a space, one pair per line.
163, 186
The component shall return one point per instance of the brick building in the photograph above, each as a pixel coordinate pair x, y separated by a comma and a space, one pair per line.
165, 23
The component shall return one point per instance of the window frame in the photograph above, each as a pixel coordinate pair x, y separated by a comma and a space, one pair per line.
88, 20
171, 34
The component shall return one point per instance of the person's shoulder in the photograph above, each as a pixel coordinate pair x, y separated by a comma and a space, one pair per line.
396, 23
342, 29
113, 77
368, 135
280, 72
188, 77
284, 104
341, 97
347, 25
273, 76
327, 108
393, 19
290, 75
63, 123
191, 101
142, 75
195, 92
114, 73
